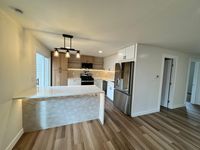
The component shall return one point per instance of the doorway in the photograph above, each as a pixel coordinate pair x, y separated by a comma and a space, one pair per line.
193, 92
42, 71
168, 82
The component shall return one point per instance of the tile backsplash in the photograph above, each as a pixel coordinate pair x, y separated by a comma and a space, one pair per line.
101, 74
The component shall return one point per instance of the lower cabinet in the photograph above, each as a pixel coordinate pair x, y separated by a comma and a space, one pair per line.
110, 90
98, 83
74, 81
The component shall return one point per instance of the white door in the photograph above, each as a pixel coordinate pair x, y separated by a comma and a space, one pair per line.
46, 72
167, 82
42, 71
195, 86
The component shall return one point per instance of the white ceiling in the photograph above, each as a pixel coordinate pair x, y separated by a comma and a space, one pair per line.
109, 25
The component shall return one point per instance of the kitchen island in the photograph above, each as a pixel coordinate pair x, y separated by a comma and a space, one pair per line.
61, 105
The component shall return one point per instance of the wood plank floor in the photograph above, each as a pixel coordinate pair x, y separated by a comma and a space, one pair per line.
168, 129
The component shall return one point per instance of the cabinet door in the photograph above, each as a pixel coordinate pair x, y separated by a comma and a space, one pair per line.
56, 69
56, 78
109, 62
59, 70
73, 59
130, 53
78, 82
63, 78
63, 62
90, 59
87, 59
73, 81
122, 54
98, 83
98, 60
56, 63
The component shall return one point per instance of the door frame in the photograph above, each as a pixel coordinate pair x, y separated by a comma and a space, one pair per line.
175, 62
192, 59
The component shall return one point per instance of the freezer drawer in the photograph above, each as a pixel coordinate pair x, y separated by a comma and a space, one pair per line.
122, 101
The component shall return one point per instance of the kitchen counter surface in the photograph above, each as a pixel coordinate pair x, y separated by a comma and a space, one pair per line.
58, 91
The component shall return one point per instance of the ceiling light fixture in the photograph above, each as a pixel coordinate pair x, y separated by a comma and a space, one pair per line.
100, 52
78, 54
67, 54
56, 53
67, 50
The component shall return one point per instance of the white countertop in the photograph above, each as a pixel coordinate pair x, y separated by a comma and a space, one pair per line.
58, 91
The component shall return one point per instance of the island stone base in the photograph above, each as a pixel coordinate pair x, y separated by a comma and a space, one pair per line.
46, 113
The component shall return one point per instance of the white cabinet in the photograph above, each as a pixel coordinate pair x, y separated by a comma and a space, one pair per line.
122, 54
74, 81
130, 52
98, 83
110, 90
127, 54
109, 62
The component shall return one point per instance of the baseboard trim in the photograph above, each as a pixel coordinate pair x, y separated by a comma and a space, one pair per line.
178, 106
15, 140
136, 114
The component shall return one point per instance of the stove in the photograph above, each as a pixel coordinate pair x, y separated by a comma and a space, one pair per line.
87, 80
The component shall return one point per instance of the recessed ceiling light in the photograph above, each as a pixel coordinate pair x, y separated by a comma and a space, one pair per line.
100, 52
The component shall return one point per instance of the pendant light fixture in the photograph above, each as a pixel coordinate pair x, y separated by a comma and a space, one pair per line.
67, 54
56, 53
78, 54
67, 50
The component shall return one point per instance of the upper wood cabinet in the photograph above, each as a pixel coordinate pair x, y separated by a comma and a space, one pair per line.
97, 62
59, 70
74, 62
87, 59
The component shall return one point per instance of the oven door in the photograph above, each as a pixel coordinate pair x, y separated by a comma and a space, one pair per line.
87, 82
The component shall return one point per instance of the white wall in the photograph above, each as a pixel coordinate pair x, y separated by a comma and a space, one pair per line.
17, 73
147, 87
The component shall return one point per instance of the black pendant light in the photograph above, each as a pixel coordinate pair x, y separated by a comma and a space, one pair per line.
67, 50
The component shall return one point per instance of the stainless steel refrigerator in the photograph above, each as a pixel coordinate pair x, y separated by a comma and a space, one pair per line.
124, 86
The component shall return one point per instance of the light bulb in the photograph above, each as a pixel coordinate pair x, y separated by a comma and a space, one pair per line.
78, 54
56, 53
67, 54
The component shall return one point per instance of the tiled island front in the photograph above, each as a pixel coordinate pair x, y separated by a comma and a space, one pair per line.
58, 106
